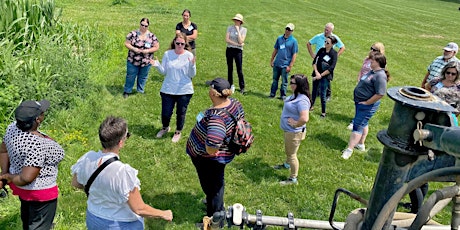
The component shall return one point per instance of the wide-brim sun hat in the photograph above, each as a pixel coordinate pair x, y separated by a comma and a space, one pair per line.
238, 17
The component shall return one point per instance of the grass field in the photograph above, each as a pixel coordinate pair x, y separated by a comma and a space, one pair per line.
413, 31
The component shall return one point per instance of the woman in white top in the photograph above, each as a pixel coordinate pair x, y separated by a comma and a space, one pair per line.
178, 66
114, 200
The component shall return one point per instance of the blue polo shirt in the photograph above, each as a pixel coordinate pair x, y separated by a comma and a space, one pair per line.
319, 40
286, 47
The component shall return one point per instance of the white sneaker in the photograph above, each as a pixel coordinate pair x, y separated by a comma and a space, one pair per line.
350, 126
346, 153
162, 132
176, 137
232, 88
360, 147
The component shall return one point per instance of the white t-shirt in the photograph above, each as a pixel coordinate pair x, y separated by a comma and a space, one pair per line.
108, 195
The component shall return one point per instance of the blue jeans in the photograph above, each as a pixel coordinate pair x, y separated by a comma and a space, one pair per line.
237, 54
362, 115
96, 223
320, 85
211, 175
277, 72
132, 72
167, 106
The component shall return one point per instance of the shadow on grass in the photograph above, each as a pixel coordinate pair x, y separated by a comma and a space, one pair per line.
374, 155
144, 131
192, 213
256, 170
331, 141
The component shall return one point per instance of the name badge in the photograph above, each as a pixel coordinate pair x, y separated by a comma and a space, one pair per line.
148, 45
326, 58
190, 28
282, 46
199, 117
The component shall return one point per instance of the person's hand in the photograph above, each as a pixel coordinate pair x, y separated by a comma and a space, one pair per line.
168, 215
288, 69
292, 122
193, 60
271, 63
154, 62
363, 102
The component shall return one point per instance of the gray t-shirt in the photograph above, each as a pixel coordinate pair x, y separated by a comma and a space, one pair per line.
374, 82
233, 35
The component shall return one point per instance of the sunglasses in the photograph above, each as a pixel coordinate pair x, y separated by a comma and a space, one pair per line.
288, 29
144, 25
375, 50
180, 43
327, 42
451, 73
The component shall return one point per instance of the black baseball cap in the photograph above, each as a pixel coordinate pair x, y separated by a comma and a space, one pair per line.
30, 109
219, 84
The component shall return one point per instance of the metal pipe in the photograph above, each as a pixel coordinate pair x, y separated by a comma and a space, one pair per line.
390, 206
299, 223
424, 214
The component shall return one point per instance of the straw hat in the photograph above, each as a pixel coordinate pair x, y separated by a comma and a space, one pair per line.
238, 17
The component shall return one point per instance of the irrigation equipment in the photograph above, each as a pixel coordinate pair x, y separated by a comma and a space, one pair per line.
421, 144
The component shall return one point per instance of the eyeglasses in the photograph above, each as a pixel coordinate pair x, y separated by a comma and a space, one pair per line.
144, 25
180, 43
287, 28
327, 42
293, 83
451, 73
375, 50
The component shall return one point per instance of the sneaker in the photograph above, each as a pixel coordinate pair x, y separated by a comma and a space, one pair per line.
328, 98
176, 137
282, 98
312, 108
289, 181
125, 95
346, 153
350, 126
242, 91
162, 132
271, 96
323, 115
232, 88
360, 147
282, 166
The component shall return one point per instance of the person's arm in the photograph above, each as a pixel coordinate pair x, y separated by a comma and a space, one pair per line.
154, 48
4, 159
192, 67
211, 150
275, 51
75, 182
372, 100
288, 69
427, 86
315, 68
27, 175
310, 50
303, 119
229, 41
137, 205
341, 50
193, 36
131, 47
424, 79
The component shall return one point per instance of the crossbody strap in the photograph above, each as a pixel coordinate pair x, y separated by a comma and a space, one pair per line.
98, 170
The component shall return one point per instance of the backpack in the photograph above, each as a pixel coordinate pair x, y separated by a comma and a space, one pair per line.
242, 136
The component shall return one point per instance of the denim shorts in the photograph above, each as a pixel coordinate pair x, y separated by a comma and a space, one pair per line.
96, 223
362, 115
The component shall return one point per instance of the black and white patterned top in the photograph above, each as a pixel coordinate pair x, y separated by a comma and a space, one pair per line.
26, 149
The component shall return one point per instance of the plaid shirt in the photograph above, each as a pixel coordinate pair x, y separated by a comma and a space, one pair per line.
436, 66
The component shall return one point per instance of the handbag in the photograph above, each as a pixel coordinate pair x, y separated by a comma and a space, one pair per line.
95, 173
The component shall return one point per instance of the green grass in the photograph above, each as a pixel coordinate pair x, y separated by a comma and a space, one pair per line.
413, 32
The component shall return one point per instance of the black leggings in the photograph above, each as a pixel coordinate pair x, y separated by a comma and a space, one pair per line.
38, 214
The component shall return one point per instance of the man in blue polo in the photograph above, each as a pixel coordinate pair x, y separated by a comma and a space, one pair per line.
319, 40
283, 58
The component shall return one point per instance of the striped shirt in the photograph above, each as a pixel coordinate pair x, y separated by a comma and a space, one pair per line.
214, 130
